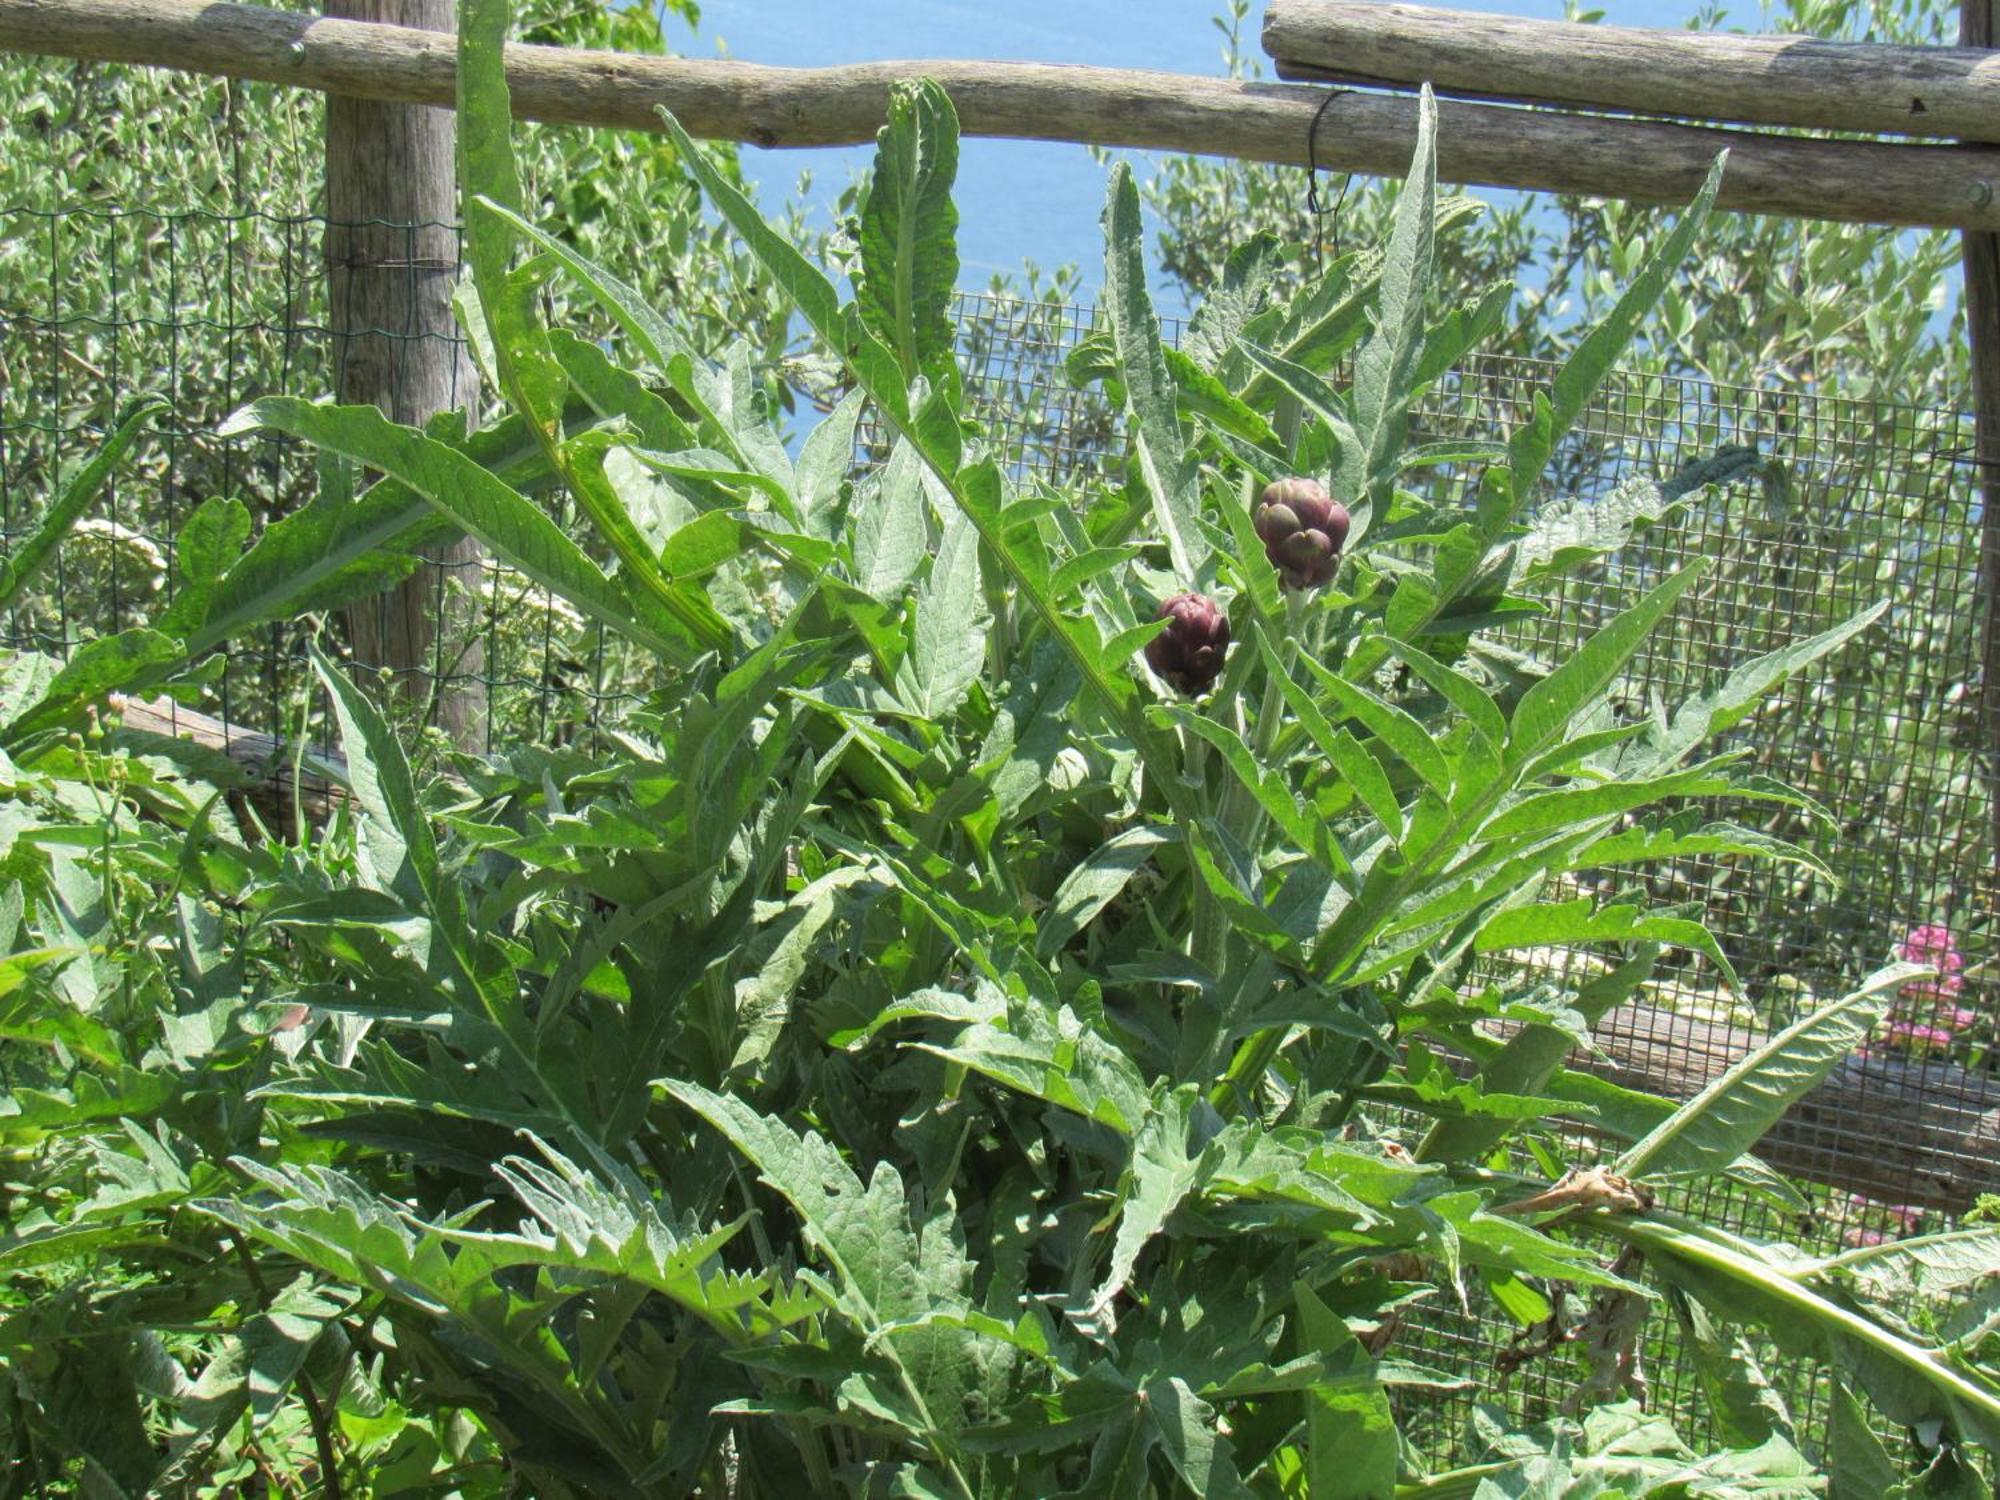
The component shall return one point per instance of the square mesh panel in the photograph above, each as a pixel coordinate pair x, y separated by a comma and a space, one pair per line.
1860, 501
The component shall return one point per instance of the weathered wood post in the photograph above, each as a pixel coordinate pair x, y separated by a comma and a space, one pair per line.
1978, 26
392, 260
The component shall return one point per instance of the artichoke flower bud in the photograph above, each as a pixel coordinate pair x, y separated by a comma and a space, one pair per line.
1303, 529
1188, 654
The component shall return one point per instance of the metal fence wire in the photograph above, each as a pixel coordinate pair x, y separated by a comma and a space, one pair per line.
1859, 501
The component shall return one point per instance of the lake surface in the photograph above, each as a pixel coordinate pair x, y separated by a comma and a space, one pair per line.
1019, 201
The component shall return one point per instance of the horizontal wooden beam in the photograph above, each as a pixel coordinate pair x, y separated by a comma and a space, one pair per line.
1925, 1134
1372, 134
1795, 81
265, 764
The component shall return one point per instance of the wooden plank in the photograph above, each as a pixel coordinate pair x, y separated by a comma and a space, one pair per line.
1489, 145
275, 779
1796, 81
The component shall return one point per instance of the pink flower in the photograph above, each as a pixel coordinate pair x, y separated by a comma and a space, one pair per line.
1908, 1034
1902, 1219
1943, 987
1933, 945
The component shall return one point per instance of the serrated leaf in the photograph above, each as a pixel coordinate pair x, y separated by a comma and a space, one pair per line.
1636, 846
948, 644
1052, 1056
400, 851
128, 661
1230, 303
1730, 1116
744, 436
1545, 710
1583, 921
1351, 1442
1534, 444
1460, 691
892, 529
73, 496
1748, 685
1859, 1467
583, 459
510, 526
888, 1275
517, 344
1548, 812
1565, 536
1741, 1402
1393, 728
210, 544
1150, 399
1385, 367
825, 461
1095, 883
1923, 1267
909, 229
1162, 1174
1200, 394
328, 555
873, 362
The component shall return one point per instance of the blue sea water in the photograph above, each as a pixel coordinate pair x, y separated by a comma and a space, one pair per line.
1019, 201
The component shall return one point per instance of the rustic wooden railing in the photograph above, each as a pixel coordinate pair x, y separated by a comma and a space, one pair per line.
1485, 144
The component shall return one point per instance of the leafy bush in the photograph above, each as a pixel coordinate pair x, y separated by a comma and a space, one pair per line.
924, 1052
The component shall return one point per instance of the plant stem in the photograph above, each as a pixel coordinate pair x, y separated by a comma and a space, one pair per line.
1271, 713
322, 1431
1241, 816
1659, 1233
1208, 943
1000, 641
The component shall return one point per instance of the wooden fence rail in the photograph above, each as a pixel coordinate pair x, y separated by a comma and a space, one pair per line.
1795, 81
1489, 145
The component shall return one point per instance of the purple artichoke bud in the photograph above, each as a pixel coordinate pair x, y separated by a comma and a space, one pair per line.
1303, 529
1188, 653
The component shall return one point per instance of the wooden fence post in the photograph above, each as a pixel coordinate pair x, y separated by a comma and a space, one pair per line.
1978, 25
392, 261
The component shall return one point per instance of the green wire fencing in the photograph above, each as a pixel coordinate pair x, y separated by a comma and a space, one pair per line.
1850, 502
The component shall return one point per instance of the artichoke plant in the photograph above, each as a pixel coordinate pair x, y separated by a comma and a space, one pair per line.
1303, 529
1188, 654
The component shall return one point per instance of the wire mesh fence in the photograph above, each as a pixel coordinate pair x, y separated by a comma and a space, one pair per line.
1855, 502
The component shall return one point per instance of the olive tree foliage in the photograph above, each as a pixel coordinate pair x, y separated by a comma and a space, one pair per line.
1852, 309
